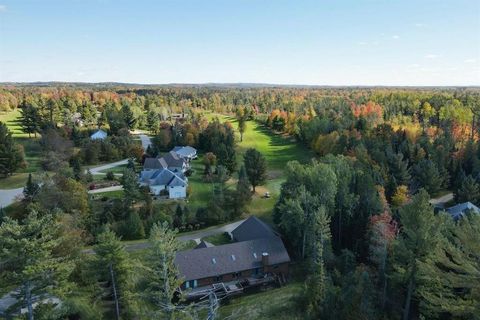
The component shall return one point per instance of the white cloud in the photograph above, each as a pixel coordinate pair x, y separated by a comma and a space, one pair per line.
470, 60
431, 56
3, 8
396, 37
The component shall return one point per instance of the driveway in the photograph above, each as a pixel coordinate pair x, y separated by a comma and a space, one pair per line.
96, 170
440, 201
9, 196
107, 189
188, 237
146, 141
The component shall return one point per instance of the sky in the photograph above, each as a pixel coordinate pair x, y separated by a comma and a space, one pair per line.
321, 42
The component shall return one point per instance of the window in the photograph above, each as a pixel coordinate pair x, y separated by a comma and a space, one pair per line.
218, 278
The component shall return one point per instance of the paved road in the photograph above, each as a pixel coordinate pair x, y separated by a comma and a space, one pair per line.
193, 236
96, 170
107, 189
440, 201
8, 196
146, 141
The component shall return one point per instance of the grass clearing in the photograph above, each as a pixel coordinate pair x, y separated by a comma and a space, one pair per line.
11, 119
218, 239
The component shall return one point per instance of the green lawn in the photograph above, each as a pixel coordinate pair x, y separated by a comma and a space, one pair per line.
218, 239
11, 120
279, 303
277, 149
32, 153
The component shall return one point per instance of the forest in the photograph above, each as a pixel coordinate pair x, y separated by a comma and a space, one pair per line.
352, 202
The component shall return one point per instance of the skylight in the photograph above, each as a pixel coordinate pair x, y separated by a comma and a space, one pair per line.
214, 261
255, 255
233, 257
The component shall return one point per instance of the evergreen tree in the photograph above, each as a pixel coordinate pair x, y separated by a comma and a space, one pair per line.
29, 118
112, 267
256, 167
468, 191
11, 154
131, 188
30, 190
161, 277
418, 240
428, 177
242, 193
132, 227
30, 259
128, 116
316, 284
453, 273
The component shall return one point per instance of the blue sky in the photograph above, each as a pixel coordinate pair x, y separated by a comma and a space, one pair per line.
334, 42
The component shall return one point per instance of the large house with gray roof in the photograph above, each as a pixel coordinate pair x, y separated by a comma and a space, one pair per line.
170, 160
165, 182
259, 253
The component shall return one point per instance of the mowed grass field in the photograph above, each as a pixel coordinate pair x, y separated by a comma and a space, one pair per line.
32, 152
277, 149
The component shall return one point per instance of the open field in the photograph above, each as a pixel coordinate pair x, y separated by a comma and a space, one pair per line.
32, 153
276, 148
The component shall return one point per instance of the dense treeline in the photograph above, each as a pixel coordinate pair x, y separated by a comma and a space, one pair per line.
358, 216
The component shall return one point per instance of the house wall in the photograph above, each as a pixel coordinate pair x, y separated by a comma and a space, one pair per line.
156, 189
177, 192
277, 269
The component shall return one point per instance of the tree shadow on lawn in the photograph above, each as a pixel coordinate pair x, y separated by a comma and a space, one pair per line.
283, 149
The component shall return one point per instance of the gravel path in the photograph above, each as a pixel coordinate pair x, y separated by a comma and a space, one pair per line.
440, 201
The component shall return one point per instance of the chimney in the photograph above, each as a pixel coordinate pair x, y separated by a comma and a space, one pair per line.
265, 260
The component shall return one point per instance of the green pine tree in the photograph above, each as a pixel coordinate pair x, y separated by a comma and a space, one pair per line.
256, 167
11, 154
161, 278
30, 190
30, 258
468, 191
416, 243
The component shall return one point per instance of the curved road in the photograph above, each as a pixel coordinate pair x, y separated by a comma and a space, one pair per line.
9, 196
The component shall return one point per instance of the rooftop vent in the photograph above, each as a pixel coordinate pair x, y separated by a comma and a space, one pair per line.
233, 257
214, 261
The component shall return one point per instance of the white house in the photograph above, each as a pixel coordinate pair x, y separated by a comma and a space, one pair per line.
165, 181
99, 135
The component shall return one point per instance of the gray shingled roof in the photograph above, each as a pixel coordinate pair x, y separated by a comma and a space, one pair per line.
460, 209
203, 244
235, 257
172, 159
252, 228
153, 163
185, 151
164, 177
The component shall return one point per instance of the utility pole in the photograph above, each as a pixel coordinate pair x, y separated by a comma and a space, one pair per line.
117, 308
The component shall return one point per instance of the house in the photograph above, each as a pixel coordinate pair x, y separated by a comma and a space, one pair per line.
459, 210
165, 181
99, 135
232, 262
170, 161
186, 152
258, 254
252, 228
